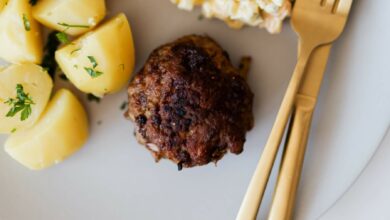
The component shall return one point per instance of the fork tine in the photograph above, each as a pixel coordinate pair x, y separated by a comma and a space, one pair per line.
344, 6
335, 6
329, 4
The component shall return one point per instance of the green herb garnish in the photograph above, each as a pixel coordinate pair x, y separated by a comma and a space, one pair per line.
74, 51
92, 71
93, 61
49, 63
72, 25
26, 23
93, 98
63, 37
33, 2
13, 130
22, 103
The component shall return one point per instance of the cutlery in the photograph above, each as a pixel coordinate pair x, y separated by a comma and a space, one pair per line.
297, 135
317, 22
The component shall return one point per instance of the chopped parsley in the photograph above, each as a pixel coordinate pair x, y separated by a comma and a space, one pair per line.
22, 103
93, 72
33, 2
67, 26
13, 130
74, 51
63, 37
26, 23
93, 61
93, 98
49, 63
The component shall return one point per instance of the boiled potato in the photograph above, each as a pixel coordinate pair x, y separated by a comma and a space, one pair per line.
35, 82
20, 33
2, 3
101, 61
83, 15
62, 130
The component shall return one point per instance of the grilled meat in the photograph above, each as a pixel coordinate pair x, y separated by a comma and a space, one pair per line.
190, 104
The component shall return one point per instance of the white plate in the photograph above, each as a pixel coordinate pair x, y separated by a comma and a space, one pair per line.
113, 177
369, 196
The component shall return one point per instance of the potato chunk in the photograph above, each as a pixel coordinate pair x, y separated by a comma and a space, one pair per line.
20, 33
82, 14
101, 61
2, 4
62, 130
35, 82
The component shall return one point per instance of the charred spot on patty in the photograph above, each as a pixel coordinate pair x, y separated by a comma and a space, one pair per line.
191, 103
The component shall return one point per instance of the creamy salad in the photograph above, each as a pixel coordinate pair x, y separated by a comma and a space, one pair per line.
267, 14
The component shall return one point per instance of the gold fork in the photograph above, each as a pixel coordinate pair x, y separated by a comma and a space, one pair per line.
296, 139
317, 22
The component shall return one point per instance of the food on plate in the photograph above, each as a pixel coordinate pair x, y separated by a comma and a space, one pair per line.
190, 104
51, 46
267, 14
24, 93
73, 17
3, 3
60, 131
102, 60
20, 33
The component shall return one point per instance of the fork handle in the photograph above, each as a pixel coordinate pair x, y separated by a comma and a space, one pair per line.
252, 199
291, 166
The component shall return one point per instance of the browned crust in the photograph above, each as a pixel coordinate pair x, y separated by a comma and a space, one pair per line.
189, 103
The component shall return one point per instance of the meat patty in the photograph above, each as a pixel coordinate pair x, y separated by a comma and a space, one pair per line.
190, 104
